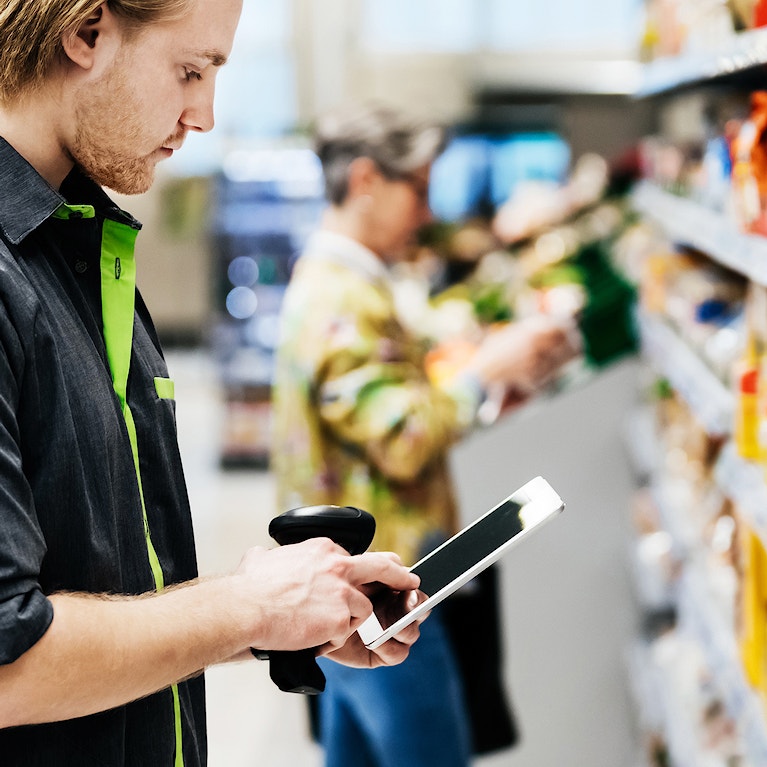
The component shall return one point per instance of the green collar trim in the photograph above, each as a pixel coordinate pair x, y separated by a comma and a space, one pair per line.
66, 212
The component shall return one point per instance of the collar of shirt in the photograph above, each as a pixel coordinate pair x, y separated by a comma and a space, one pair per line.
27, 199
343, 250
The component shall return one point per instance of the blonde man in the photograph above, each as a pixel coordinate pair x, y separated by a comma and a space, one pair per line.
100, 660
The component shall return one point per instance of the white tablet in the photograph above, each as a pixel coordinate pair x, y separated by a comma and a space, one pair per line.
459, 559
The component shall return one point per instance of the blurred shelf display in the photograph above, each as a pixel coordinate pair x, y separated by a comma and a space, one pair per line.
681, 706
706, 394
707, 230
744, 482
689, 668
702, 479
470, 270
269, 199
737, 53
641, 443
668, 736
697, 614
544, 75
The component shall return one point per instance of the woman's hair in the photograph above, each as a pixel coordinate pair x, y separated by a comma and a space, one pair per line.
397, 142
31, 33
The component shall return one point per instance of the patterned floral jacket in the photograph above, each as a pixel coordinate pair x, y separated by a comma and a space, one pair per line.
356, 421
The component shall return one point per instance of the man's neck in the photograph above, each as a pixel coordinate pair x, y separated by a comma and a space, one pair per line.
29, 128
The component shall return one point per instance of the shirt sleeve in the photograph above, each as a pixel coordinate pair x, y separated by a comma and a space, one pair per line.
25, 612
379, 401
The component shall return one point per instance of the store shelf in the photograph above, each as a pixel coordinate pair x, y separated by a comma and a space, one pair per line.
704, 605
706, 395
547, 75
673, 506
744, 482
697, 614
704, 229
659, 708
745, 52
642, 443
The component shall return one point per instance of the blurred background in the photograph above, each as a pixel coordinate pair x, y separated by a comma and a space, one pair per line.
605, 157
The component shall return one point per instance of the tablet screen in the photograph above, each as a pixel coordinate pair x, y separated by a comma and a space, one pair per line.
473, 545
445, 565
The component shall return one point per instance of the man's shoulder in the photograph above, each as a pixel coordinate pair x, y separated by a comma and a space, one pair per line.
9, 262
19, 299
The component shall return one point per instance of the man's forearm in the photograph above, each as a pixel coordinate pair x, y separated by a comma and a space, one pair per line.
101, 652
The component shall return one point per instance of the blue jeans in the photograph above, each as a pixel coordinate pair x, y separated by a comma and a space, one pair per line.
410, 715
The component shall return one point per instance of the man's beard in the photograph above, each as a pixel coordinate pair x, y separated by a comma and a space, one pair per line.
122, 175
108, 128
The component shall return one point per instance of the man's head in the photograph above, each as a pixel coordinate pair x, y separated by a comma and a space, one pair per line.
120, 83
32, 32
376, 161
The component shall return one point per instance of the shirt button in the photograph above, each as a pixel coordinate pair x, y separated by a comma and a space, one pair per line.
81, 266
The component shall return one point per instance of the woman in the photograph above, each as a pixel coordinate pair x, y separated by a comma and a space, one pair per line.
358, 422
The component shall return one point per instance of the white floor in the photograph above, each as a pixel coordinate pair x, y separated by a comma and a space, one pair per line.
564, 665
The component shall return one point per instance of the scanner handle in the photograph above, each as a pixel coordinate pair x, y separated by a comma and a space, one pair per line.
349, 527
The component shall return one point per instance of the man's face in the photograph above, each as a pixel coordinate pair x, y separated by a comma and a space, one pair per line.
157, 88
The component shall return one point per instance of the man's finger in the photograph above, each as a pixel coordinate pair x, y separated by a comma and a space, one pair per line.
382, 567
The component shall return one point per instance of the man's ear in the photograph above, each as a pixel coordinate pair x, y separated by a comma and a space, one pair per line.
82, 44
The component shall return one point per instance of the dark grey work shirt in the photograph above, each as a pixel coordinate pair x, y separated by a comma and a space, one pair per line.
70, 509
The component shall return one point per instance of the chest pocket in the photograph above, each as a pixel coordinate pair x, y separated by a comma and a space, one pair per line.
165, 388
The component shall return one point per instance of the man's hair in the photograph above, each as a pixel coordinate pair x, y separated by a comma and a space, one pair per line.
31, 33
397, 142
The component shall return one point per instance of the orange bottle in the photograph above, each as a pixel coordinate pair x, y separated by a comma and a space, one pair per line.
746, 378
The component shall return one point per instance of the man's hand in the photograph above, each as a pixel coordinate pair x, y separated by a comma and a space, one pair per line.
312, 593
354, 652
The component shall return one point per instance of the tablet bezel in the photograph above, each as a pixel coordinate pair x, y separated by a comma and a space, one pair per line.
538, 503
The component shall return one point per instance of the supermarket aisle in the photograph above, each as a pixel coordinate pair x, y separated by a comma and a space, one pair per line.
252, 723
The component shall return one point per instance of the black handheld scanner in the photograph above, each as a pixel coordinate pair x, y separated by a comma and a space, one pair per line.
349, 527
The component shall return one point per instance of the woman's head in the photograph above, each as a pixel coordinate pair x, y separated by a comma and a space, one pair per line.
376, 162
396, 142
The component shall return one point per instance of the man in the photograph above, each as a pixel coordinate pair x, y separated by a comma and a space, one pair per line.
99, 658
358, 421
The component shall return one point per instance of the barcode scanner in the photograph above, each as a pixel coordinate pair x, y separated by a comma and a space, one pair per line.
349, 527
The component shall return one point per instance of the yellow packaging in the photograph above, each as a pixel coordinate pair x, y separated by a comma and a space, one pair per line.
753, 612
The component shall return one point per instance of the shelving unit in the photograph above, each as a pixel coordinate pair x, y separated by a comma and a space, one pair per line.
744, 482
269, 199
715, 234
718, 644
658, 707
696, 612
706, 395
706, 230
744, 53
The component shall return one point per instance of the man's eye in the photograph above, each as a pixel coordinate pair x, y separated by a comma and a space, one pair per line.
190, 74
